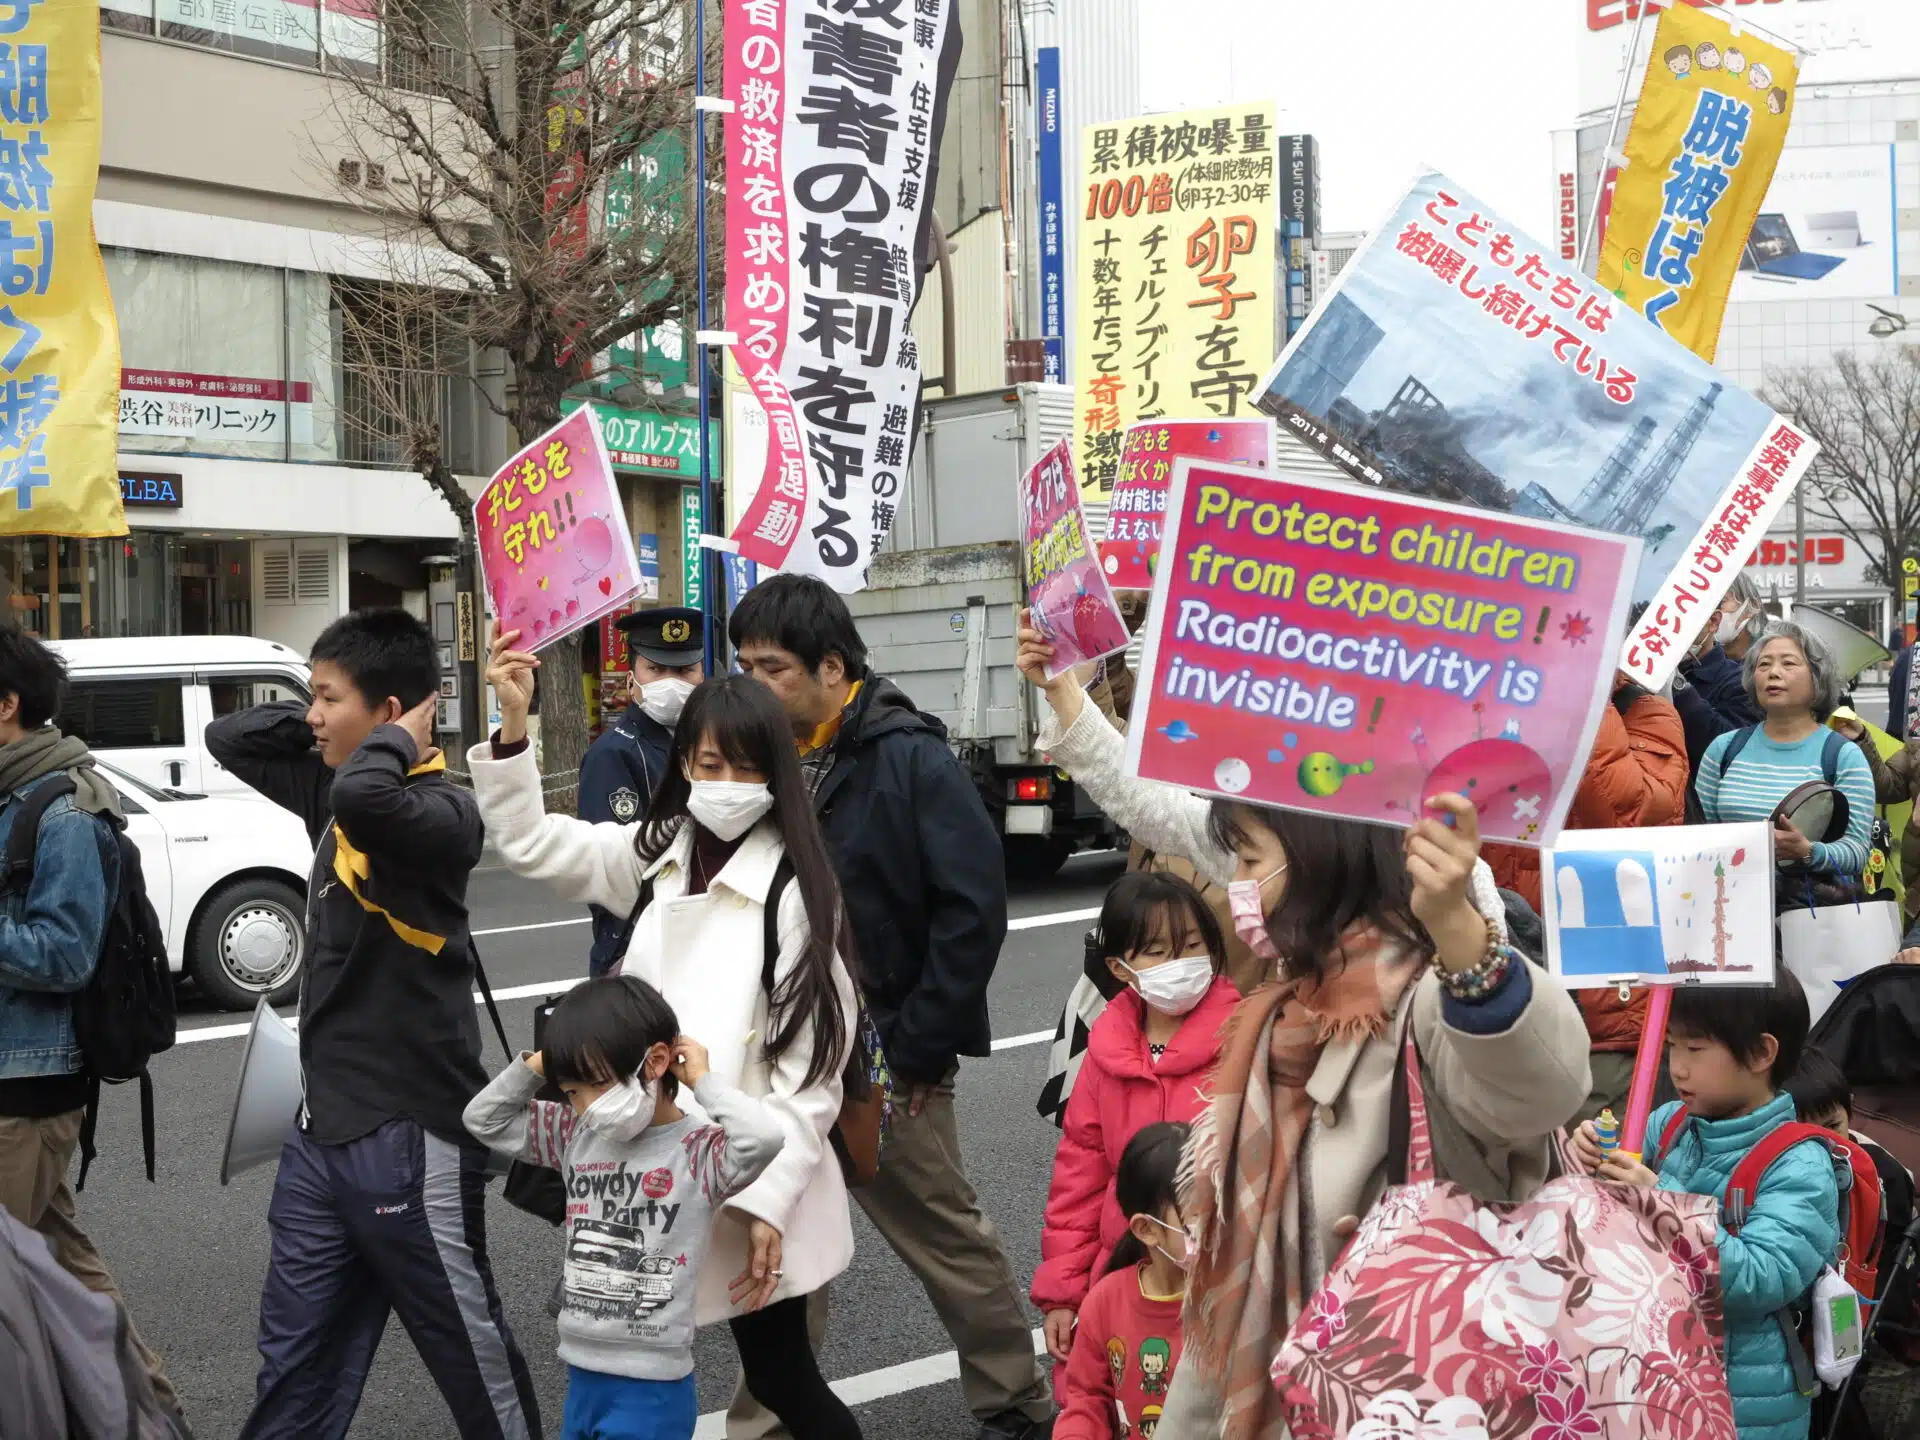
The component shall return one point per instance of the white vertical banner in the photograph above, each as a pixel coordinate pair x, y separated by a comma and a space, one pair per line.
831, 156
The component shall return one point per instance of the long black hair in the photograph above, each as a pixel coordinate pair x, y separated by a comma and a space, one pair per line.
1146, 1182
1142, 907
1339, 872
602, 1029
746, 724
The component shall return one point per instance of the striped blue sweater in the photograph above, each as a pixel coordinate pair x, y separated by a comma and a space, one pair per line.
1763, 773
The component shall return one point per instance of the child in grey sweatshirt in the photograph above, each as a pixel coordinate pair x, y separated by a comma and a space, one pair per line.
643, 1182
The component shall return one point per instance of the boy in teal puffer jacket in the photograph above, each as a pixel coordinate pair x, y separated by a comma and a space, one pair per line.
1729, 1052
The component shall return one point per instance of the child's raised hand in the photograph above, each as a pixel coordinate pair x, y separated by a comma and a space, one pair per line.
1623, 1169
690, 1062
537, 1062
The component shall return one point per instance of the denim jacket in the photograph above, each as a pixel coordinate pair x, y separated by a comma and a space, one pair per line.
50, 936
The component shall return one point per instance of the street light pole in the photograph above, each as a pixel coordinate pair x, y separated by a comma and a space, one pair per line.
1799, 543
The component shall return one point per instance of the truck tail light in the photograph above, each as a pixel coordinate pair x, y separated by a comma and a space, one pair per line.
1031, 787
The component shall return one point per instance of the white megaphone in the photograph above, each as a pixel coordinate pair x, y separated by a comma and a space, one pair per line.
267, 1098
1852, 648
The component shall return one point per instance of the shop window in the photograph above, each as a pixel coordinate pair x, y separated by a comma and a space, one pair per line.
125, 714
406, 365
284, 30
222, 359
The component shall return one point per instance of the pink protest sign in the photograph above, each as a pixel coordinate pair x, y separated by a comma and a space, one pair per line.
1132, 546
1068, 595
554, 544
1354, 652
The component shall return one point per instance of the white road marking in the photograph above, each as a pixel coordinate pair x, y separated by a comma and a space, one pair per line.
875, 1385
198, 1034
1015, 1042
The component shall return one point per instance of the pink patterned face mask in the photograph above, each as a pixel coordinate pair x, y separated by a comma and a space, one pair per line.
1250, 915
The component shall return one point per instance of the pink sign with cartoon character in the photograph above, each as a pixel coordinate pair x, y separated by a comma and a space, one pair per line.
554, 545
1320, 647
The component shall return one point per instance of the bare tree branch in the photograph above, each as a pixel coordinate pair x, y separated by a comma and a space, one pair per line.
1866, 415
526, 214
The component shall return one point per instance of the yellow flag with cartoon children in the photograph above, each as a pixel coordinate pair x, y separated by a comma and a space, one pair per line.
1707, 132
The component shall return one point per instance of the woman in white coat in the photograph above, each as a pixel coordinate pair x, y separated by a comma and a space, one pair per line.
729, 824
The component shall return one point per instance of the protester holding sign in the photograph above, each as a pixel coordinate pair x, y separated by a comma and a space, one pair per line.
1306, 1076
729, 835
1636, 776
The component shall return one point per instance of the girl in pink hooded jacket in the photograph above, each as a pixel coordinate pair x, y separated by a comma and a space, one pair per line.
1147, 1057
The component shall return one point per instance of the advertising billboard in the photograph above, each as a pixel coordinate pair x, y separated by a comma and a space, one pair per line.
1826, 230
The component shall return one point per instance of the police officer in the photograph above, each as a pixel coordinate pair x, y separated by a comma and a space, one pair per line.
621, 769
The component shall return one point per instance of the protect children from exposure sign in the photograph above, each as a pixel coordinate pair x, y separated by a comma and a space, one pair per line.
1319, 647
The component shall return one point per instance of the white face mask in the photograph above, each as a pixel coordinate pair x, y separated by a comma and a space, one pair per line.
663, 700
1174, 987
1732, 622
1185, 1257
727, 808
624, 1110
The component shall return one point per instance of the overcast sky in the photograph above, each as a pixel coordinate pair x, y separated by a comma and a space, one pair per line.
1386, 86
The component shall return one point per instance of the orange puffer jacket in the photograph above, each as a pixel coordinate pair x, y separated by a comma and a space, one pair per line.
1636, 776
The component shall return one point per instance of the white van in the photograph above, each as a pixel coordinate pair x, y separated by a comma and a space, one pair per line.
144, 704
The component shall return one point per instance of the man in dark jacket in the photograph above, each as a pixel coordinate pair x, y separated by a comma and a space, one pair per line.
1708, 690
50, 937
921, 874
667, 650
379, 1203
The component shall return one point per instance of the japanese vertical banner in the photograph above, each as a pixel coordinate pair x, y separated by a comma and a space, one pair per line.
60, 369
1174, 307
555, 549
832, 147
1706, 135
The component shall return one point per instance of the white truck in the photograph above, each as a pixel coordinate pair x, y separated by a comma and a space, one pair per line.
941, 604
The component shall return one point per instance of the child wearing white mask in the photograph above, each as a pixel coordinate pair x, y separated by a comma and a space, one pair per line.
733, 914
1130, 1336
643, 1179
1147, 1057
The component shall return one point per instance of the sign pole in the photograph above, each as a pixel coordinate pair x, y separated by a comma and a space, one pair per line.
1646, 1072
710, 597
1613, 134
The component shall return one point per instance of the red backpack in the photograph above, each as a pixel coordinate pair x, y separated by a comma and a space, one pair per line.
1863, 1226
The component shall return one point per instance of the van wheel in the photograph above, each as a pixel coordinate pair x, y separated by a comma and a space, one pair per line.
249, 940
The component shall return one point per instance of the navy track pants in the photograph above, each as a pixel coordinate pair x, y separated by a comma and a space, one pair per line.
392, 1222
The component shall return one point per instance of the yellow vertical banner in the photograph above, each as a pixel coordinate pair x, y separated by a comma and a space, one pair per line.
1174, 295
59, 344
1707, 132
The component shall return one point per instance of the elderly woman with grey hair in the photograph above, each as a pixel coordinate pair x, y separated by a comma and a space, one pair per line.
1745, 774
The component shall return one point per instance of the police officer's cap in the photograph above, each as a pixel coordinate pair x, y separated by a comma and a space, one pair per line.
672, 638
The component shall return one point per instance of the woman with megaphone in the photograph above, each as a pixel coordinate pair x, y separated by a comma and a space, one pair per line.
728, 835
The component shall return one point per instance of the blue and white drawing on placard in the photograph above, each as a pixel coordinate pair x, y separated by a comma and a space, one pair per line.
1661, 905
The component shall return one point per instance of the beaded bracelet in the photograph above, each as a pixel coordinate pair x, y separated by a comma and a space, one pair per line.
1483, 979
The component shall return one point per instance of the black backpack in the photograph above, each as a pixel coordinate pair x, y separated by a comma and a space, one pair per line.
125, 1015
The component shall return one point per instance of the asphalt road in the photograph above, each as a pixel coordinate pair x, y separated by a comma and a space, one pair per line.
190, 1255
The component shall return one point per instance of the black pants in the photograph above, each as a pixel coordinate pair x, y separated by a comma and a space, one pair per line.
778, 1361
392, 1221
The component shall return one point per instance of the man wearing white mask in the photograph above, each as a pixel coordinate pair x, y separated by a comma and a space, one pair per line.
623, 767
1708, 691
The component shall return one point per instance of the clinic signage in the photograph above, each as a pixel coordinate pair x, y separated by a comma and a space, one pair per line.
151, 490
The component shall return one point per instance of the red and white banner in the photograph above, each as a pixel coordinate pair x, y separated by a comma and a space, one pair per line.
214, 407
831, 153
